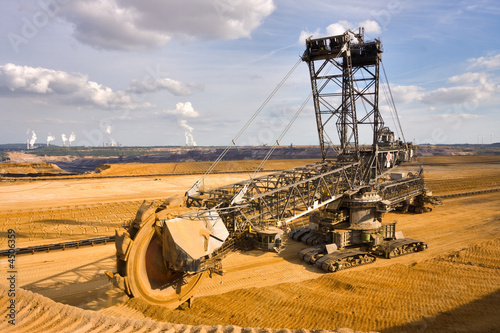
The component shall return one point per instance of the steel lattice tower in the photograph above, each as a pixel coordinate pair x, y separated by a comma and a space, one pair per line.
344, 72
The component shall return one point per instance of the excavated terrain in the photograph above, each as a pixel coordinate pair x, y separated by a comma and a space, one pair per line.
453, 286
38, 313
26, 169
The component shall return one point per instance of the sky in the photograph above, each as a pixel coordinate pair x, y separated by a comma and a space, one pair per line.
193, 72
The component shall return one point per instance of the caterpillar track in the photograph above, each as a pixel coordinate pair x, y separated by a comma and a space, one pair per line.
349, 258
329, 259
344, 259
400, 247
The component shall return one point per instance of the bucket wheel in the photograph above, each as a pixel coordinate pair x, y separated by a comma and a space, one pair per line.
142, 272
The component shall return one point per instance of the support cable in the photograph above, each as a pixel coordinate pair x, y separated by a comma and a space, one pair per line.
290, 123
362, 99
233, 141
392, 100
391, 110
269, 153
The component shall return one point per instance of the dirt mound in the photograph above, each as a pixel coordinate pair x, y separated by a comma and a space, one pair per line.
38, 313
392, 298
29, 169
22, 157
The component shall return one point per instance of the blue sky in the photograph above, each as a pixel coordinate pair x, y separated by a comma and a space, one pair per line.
193, 72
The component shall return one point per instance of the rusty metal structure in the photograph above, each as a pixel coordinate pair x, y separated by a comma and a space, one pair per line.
162, 259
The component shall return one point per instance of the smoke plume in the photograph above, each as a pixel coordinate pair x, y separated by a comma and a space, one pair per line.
64, 139
188, 133
33, 139
50, 138
72, 138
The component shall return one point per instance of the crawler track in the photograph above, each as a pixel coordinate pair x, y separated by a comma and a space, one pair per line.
346, 259
400, 247
335, 261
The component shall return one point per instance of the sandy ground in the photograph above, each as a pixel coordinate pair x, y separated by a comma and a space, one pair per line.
267, 289
37, 313
50, 194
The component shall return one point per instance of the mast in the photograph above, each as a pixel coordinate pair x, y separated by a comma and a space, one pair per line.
344, 73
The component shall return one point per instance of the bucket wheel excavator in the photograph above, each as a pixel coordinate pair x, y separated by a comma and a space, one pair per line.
168, 249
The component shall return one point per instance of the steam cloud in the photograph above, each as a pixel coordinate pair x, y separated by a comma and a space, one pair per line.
185, 110
33, 139
72, 138
111, 141
64, 139
188, 133
50, 138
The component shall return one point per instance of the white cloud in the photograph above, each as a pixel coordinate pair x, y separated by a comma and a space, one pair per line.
129, 25
406, 94
173, 86
459, 95
490, 62
106, 24
471, 87
469, 78
37, 80
371, 27
184, 110
304, 34
71, 88
458, 115
452, 95
338, 28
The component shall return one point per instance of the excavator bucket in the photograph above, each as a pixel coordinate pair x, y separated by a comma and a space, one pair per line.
187, 240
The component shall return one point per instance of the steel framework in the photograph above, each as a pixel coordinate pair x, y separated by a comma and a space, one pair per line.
163, 260
280, 197
343, 71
